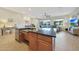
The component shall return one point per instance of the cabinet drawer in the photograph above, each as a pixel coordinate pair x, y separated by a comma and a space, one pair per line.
32, 34
44, 46
45, 38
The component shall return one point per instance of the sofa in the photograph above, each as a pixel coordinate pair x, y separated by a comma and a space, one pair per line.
74, 30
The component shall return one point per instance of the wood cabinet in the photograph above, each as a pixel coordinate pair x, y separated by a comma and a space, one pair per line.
45, 38
44, 46
32, 41
21, 36
38, 42
45, 43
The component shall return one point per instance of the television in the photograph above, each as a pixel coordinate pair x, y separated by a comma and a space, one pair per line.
74, 21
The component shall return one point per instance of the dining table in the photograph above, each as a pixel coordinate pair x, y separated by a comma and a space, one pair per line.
3, 29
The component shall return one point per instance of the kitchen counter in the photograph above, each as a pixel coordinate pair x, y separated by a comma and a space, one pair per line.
39, 40
44, 31
23, 28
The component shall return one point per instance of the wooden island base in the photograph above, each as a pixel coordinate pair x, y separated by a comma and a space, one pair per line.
38, 40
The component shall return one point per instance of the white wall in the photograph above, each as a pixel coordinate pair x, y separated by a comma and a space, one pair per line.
17, 17
35, 22
6, 14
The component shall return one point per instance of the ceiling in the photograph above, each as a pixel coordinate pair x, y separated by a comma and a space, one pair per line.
39, 11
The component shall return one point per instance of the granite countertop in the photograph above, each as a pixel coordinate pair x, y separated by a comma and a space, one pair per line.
44, 31
47, 31
20, 28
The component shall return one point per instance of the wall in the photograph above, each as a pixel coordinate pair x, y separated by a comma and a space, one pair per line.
35, 22
6, 14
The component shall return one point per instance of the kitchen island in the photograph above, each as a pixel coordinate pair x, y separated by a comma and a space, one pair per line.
19, 34
40, 40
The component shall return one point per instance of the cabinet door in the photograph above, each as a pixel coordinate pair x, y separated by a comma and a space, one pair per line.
26, 36
44, 46
21, 36
33, 41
